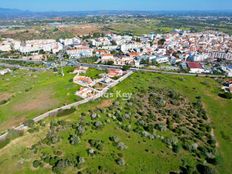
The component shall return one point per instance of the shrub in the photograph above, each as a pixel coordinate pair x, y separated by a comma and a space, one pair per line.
99, 147
29, 123
4, 142
187, 170
32, 130
36, 163
53, 160
173, 95
120, 161
53, 124
115, 139
12, 134
176, 148
225, 95
121, 146
80, 160
61, 122
73, 139
65, 112
100, 168
213, 161
98, 124
80, 130
125, 67
203, 169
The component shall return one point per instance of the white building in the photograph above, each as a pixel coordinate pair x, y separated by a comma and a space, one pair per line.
159, 59
107, 57
5, 71
228, 70
125, 60
220, 55
200, 57
126, 47
6, 45
5, 48
69, 42
80, 51
47, 45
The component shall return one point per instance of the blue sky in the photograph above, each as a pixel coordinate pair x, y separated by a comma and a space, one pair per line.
77, 5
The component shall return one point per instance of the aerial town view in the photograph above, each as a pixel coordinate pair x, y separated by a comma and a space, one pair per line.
116, 87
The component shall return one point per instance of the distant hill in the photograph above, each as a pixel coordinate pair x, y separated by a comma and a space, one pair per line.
6, 13
13, 13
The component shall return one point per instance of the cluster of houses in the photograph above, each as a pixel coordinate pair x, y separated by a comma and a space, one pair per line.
191, 50
30, 46
88, 85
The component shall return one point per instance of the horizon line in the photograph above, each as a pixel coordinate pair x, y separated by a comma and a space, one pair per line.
125, 10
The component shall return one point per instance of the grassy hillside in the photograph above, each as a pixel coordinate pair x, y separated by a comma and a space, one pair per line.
111, 141
218, 109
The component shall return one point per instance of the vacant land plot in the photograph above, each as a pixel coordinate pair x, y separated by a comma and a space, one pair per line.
94, 73
104, 136
218, 109
47, 32
139, 26
81, 29
28, 94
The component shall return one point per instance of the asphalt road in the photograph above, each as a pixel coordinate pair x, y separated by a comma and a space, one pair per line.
147, 70
102, 66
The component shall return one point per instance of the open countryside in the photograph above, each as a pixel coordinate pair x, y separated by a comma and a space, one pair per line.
185, 86
116, 87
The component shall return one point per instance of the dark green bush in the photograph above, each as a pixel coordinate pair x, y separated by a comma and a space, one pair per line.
36, 164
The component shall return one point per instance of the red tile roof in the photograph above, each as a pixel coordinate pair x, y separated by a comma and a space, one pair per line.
102, 51
133, 54
114, 72
107, 55
194, 65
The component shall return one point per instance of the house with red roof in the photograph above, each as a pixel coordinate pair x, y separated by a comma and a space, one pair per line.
114, 72
102, 52
134, 54
195, 67
85, 92
83, 81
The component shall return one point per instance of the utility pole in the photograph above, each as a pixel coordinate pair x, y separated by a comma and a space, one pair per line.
61, 60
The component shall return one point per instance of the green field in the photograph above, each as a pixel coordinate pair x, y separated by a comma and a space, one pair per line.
142, 155
93, 73
26, 94
138, 27
218, 109
142, 26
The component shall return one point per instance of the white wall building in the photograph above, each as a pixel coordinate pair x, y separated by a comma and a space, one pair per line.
107, 58
80, 51
5, 71
159, 59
